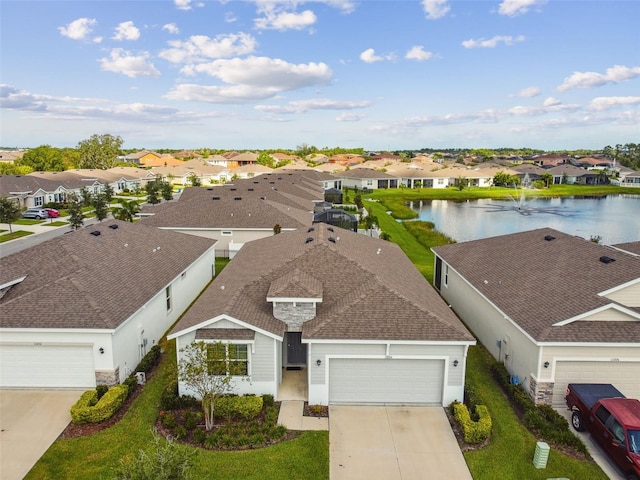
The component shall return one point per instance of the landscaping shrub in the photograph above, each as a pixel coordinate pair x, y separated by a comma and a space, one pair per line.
101, 390
191, 419
150, 360
179, 432
474, 432
230, 406
170, 400
168, 419
271, 415
88, 409
132, 383
268, 400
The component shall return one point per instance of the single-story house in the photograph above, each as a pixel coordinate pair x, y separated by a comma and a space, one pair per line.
553, 307
350, 310
84, 308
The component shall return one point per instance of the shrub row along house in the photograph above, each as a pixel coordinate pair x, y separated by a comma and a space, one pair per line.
553, 307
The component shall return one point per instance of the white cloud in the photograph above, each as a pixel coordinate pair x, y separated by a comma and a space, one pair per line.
435, 8
615, 74
513, 8
492, 42
230, 17
605, 103
126, 31
171, 28
302, 106
122, 61
349, 117
265, 72
418, 53
369, 56
182, 4
551, 102
220, 94
199, 48
78, 29
285, 20
527, 92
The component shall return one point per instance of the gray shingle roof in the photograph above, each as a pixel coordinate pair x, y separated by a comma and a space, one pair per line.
80, 280
370, 289
538, 283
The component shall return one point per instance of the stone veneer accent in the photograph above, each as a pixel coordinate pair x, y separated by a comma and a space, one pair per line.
108, 377
541, 392
294, 314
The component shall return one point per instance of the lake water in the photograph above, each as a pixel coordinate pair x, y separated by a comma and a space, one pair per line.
614, 218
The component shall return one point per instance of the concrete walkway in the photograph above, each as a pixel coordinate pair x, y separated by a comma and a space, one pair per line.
30, 421
291, 416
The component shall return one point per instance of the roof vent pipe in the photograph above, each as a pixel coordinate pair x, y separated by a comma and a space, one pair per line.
605, 259
548, 238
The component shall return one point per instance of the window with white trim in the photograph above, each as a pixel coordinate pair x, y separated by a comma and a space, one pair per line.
38, 201
167, 295
446, 275
228, 359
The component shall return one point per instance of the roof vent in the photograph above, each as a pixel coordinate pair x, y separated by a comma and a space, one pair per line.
256, 182
331, 239
308, 240
250, 189
548, 238
210, 189
237, 198
233, 189
330, 229
605, 259
95, 233
311, 229
113, 227
263, 198
215, 198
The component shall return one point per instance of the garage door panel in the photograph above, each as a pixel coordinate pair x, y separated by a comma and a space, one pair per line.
387, 381
46, 366
623, 375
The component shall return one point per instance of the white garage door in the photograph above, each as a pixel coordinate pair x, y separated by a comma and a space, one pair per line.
623, 375
375, 381
46, 366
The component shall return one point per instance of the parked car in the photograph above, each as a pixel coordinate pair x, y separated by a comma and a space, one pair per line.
611, 419
38, 213
52, 212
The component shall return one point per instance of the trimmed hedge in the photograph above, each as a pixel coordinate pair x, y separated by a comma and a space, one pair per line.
246, 407
474, 432
150, 360
543, 420
171, 400
88, 409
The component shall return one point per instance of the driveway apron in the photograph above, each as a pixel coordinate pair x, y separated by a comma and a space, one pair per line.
393, 443
30, 421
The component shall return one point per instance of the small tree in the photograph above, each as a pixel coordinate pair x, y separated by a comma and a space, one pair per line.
127, 210
548, 178
107, 191
207, 370
166, 190
153, 190
277, 229
9, 211
461, 183
100, 206
76, 215
194, 180
87, 199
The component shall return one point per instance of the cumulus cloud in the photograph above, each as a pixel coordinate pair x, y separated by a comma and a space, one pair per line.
182, 4
550, 102
349, 117
171, 28
605, 103
122, 61
512, 8
615, 74
302, 106
199, 48
126, 31
282, 21
492, 42
220, 94
527, 92
79, 29
418, 53
435, 8
369, 56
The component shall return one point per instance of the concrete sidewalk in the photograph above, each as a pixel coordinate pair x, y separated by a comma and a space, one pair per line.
291, 416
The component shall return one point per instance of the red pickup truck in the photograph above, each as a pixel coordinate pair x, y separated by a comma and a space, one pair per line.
612, 420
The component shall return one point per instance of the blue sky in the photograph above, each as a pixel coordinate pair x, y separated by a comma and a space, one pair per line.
277, 74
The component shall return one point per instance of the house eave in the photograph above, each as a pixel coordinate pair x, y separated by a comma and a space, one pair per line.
216, 319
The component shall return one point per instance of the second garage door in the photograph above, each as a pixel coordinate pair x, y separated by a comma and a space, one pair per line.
46, 366
385, 381
623, 375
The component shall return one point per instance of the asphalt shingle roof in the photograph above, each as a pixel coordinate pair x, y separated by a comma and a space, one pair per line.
81, 280
538, 282
370, 289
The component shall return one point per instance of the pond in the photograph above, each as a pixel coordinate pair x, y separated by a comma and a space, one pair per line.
613, 218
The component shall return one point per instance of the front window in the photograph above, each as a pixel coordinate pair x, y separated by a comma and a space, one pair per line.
228, 359
38, 201
167, 294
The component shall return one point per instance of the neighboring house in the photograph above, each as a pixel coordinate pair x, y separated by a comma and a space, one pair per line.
570, 174
351, 310
240, 212
167, 161
84, 308
366, 179
141, 157
553, 307
183, 174
337, 218
630, 179
119, 178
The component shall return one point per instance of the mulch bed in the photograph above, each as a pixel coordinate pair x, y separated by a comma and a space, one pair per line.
320, 411
457, 431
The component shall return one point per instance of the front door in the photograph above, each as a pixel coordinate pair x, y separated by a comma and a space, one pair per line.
296, 350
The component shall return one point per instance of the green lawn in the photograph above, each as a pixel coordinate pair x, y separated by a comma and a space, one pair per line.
93, 457
510, 453
5, 237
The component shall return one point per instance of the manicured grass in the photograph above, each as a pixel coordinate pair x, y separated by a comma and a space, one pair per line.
12, 236
306, 457
510, 453
28, 221
57, 223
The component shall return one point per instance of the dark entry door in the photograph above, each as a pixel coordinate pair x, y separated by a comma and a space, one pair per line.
296, 350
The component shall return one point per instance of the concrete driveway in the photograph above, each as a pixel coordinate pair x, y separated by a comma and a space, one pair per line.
30, 421
393, 443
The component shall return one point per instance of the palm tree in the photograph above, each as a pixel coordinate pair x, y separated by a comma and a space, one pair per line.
127, 210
